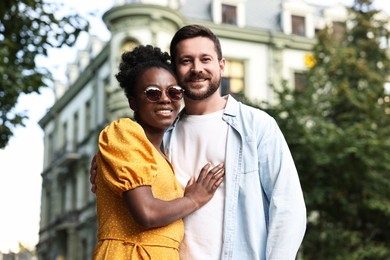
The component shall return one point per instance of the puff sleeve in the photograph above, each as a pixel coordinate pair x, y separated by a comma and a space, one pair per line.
126, 158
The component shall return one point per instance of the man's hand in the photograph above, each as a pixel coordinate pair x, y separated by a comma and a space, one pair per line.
92, 174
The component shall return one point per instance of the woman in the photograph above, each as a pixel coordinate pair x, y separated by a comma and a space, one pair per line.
140, 204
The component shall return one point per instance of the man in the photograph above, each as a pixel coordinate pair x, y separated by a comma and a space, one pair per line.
259, 210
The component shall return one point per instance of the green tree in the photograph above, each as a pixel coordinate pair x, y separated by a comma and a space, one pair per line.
29, 28
338, 129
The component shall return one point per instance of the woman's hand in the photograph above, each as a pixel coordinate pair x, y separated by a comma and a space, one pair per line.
203, 189
151, 212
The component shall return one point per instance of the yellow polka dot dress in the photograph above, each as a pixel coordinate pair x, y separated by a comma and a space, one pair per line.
126, 160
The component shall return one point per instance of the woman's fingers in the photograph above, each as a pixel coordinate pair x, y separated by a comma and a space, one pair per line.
218, 179
203, 172
191, 181
211, 179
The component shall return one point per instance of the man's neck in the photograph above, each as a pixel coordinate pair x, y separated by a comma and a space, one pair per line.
209, 105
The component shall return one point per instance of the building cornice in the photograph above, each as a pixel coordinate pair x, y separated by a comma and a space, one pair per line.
134, 15
277, 39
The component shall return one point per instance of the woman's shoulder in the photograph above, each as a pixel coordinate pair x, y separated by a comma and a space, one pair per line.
123, 124
123, 128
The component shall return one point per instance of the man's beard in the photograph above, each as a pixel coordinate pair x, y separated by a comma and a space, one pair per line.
211, 89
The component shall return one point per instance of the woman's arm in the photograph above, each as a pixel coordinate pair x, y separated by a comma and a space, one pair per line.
151, 212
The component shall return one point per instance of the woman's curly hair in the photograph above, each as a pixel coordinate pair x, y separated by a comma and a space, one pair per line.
135, 62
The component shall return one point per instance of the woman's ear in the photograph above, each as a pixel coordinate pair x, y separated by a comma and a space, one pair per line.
132, 104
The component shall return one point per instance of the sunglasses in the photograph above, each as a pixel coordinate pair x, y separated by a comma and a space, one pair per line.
153, 94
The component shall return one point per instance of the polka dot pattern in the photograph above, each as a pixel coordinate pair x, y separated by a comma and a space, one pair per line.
126, 160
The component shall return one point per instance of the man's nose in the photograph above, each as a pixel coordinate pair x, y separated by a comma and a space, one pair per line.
197, 66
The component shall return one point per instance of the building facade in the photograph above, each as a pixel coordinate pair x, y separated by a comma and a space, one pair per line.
264, 42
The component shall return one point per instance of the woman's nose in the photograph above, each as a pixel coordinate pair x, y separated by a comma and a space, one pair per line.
164, 97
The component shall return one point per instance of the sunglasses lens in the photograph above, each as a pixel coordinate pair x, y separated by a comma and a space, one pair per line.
175, 93
153, 94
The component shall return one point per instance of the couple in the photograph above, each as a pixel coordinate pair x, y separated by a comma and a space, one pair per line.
257, 211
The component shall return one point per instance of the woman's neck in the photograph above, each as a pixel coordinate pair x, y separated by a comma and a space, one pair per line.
155, 138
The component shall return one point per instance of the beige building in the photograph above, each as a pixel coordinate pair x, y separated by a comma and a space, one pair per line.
264, 42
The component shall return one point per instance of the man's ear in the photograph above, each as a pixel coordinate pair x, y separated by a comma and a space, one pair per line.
222, 64
132, 104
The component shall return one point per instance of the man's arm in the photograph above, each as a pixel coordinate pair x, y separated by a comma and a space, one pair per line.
287, 210
92, 174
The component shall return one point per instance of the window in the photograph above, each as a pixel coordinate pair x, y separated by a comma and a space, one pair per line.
233, 79
88, 116
84, 249
300, 80
317, 31
128, 45
298, 25
50, 148
75, 131
47, 207
62, 197
64, 136
229, 14
73, 194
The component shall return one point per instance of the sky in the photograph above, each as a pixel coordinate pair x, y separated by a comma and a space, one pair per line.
21, 162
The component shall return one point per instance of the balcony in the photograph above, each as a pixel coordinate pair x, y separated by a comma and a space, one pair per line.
65, 157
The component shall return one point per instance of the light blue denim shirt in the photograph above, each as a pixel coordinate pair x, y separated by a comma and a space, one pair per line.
265, 213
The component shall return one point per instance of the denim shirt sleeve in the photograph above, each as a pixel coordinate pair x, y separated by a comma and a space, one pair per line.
287, 211
265, 214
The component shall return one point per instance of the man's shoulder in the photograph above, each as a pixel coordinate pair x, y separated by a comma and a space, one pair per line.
250, 119
254, 113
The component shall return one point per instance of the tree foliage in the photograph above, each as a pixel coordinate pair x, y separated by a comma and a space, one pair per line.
338, 129
28, 28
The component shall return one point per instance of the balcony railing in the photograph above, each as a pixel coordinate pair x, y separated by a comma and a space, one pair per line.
65, 156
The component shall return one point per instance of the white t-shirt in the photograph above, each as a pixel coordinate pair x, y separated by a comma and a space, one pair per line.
200, 139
